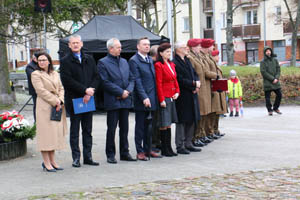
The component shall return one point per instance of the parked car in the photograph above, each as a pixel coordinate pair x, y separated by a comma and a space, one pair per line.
254, 64
225, 63
287, 63
21, 69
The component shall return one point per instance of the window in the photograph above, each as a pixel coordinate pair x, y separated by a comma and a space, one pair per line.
208, 4
186, 24
22, 55
138, 13
209, 22
278, 14
224, 22
251, 17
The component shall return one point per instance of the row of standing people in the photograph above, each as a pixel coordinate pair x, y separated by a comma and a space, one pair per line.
180, 94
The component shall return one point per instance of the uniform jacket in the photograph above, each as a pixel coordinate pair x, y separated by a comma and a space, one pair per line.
218, 101
50, 134
270, 70
235, 90
77, 77
116, 77
145, 85
166, 81
31, 67
187, 105
205, 75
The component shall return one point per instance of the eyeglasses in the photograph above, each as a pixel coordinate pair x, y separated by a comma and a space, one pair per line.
44, 60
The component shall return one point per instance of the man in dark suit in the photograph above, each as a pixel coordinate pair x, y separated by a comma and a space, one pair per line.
145, 98
187, 105
80, 78
31, 67
118, 84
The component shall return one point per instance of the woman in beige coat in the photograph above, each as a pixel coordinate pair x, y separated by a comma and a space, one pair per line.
50, 93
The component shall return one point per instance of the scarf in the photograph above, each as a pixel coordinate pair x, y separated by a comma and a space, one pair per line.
234, 80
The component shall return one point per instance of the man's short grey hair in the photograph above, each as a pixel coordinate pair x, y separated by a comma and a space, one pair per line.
75, 36
179, 44
110, 43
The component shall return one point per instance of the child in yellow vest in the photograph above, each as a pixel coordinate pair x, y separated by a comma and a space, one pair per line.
235, 93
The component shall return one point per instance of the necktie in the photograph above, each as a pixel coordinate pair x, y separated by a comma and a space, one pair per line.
147, 60
79, 58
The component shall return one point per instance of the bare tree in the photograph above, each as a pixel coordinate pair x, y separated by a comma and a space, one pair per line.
229, 41
295, 27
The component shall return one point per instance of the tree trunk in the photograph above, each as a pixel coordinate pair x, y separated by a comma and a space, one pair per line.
191, 19
229, 42
156, 17
148, 18
174, 20
294, 36
6, 96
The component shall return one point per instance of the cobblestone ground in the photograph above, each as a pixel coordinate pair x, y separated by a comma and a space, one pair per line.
274, 184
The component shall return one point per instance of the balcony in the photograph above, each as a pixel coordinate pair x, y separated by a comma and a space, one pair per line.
246, 3
207, 6
208, 33
287, 28
247, 31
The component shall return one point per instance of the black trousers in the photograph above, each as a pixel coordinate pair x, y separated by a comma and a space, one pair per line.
143, 131
86, 121
34, 106
278, 97
113, 118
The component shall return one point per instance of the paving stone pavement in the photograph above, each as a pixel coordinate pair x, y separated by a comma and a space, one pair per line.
257, 159
272, 184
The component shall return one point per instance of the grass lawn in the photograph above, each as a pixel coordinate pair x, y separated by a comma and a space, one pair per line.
247, 70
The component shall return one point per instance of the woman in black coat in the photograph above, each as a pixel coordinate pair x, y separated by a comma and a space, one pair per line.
187, 105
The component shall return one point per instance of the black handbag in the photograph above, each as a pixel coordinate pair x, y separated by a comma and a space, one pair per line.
55, 115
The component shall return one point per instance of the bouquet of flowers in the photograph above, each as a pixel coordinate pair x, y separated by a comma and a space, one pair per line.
15, 127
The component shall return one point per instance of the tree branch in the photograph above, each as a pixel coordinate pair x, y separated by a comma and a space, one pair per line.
290, 14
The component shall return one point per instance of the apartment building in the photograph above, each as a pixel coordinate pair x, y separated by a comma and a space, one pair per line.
252, 27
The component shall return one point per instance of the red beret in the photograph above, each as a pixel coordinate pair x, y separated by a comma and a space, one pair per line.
194, 42
206, 43
215, 53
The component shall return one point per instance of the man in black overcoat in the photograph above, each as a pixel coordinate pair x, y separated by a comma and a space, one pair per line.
80, 78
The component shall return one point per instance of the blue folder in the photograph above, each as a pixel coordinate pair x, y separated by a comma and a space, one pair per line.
81, 107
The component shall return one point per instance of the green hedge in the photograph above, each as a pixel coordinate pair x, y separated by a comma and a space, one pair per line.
251, 80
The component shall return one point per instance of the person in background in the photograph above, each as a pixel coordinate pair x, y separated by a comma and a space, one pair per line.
50, 93
167, 92
31, 67
145, 99
197, 58
118, 84
270, 71
155, 128
187, 105
216, 57
218, 98
235, 93
80, 78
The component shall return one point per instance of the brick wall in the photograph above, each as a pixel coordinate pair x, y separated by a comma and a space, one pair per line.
288, 51
240, 56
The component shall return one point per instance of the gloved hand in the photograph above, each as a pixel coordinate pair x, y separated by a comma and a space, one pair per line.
218, 77
219, 91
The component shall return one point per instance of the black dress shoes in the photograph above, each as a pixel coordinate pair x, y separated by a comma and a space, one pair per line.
183, 151
127, 158
220, 134
90, 162
76, 163
193, 149
112, 160
215, 136
198, 143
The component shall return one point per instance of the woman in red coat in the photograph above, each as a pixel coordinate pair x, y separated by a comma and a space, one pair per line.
167, 92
